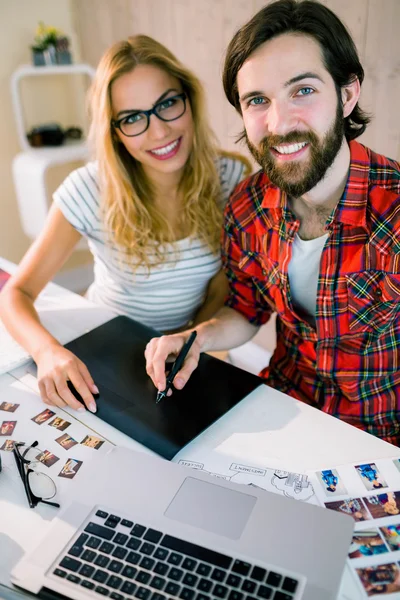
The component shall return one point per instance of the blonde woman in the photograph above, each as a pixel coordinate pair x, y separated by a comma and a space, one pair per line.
150, 206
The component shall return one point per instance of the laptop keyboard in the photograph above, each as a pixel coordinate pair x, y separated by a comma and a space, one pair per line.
120, 559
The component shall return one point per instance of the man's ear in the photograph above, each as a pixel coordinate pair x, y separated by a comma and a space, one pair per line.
350, 96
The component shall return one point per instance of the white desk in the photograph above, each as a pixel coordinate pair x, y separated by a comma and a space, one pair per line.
266, 429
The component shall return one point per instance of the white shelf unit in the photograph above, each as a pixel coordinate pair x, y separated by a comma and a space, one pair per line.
30, 166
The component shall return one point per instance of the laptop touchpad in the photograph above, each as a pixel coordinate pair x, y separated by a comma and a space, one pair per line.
211, 507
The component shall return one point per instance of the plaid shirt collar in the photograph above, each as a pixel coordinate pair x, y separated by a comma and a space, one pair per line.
351, 208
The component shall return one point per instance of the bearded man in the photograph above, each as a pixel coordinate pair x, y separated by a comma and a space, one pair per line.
315, 235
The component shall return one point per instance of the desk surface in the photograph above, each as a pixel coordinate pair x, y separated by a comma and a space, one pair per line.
267, 428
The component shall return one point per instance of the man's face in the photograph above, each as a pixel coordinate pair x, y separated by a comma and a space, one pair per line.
293, 119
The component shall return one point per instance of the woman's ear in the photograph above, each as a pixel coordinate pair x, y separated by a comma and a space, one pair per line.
350, 96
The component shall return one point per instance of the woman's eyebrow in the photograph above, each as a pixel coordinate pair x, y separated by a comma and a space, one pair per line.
129, 111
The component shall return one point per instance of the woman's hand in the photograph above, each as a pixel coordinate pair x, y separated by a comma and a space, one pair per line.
57, 365
163, 349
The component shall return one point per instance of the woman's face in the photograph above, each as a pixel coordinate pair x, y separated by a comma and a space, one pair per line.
164, 147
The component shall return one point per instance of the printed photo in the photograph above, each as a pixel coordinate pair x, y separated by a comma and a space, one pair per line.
59, 423
7, 427
47, 458
367, 543
4, 276
8, 446
70, 468
370, 476
8, 406
92, 442
380, 579
331, 482
43, 416
66, 441
354, 507
383, 505
391, 533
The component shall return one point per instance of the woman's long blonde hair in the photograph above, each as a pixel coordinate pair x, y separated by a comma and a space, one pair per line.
131, 217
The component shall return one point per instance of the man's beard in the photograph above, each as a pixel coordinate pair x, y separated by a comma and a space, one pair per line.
298, 177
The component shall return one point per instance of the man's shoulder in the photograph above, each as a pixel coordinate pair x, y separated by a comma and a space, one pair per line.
251, 190
383, 171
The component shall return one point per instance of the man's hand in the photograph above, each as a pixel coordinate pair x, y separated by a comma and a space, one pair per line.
166, 348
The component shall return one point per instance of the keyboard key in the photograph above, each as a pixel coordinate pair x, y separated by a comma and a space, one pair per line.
120, 552
186, 594
143, 577
102, 514
147, 563
202, 597
264, 591
157, 583
89, 555
111, 523
75, 550
114, 582
234, 595
87, 571
142, 593
282, 596
241, 567
128, 588
234, 580
218, 575
248, 586
103, 532
70, 563
205, 585
190, 580
93, 542
102, 590
289, 585
115, 566
220, 591
158, 596
274, 579
152, 535
133, 543
138, 530
203, 569
189, 564
81, 539
133, 558
147, 548
161, 568
172, 588
258, 573
175, 559
120, 538
193, 550
126, 523
106, 547
102, 561
161, 553
175, 574
100, 576
129, 572
60, 573
87, 584
116, 596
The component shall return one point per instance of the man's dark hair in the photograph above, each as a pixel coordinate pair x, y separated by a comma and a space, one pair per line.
307, 17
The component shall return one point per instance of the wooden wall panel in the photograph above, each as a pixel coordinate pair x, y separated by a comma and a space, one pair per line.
198, 33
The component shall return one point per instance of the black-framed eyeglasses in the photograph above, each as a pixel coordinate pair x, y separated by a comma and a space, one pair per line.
138, 121
39, 487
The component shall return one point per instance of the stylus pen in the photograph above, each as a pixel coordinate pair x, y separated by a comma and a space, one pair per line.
177, 365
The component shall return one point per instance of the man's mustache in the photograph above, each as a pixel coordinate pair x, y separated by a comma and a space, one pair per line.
294, 137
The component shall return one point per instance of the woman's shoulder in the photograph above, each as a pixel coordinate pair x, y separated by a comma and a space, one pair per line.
232, 168
84, 176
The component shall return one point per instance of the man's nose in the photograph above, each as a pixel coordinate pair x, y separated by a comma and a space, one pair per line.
279, 119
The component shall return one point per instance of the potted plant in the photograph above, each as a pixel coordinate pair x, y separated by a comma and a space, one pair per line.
50, 46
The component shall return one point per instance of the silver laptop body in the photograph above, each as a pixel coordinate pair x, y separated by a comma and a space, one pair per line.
145, 528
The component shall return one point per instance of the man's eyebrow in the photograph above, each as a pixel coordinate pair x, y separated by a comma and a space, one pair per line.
306, 75
129, 111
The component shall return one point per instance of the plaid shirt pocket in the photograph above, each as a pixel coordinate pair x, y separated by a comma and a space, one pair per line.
373, 301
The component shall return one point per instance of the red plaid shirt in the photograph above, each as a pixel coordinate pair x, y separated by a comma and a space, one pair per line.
348, 365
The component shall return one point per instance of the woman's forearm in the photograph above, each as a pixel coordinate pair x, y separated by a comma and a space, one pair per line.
19, 316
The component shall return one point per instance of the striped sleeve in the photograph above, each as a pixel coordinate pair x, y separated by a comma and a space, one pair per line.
231, 172
78, 199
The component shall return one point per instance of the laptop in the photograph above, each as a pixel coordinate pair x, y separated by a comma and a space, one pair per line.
114, 355
150, 529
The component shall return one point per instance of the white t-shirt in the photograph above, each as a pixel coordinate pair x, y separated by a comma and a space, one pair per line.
303, 274
171, 294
